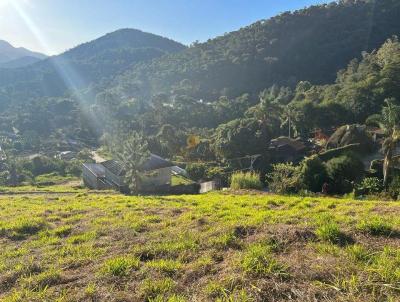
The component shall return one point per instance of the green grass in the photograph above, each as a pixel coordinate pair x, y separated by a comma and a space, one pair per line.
55, 178
330, 232
246, 180
259, 261
120, 266
376, 226
212, 247
180, 180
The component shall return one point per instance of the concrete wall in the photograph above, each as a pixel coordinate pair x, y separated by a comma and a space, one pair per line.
209, 186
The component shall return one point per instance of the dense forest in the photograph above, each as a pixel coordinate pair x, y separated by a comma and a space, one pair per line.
297, 74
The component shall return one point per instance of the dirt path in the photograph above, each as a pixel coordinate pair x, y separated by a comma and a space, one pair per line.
97, 158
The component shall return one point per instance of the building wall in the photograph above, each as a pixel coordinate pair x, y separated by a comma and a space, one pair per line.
89, 179
156, 178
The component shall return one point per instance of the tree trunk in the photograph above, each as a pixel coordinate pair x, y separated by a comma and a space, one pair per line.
386, 171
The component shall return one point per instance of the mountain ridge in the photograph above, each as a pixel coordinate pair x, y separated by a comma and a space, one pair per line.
10, 53
91, 62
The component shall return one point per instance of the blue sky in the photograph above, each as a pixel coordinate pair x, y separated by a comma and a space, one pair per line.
52, 26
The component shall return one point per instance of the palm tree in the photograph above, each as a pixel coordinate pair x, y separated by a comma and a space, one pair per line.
390, 124
267, 110
134, 154
290, 115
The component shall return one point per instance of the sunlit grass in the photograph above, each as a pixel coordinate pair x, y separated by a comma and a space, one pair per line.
212, 247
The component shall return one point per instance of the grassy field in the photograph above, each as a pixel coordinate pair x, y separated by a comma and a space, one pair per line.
213, 247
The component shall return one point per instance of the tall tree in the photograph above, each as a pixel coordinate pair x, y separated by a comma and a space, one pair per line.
290, 116
391, 125
134, 154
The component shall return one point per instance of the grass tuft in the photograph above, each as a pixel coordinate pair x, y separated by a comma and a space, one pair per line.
153, 289
259, 261
120, 266
375, 226
246, 180
330, 232
169, 267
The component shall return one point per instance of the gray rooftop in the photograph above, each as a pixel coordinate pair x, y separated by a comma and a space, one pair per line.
155, 162
96, 169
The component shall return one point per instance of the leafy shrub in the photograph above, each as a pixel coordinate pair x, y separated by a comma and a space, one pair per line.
370, 185
246, 180
217, 173
343, 171
196, 171
284, 179
394, 188
313, 174
73, 167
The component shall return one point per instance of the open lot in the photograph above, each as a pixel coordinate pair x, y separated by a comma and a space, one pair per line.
213, 247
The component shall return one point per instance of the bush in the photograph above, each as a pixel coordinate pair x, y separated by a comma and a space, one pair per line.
343, 171
284, 179
196, 171
217, 173
394, 188
248, 180
313, 174
370, 185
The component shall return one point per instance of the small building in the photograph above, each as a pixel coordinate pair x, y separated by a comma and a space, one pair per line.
287, 149
156, 173
66, 155
94, 177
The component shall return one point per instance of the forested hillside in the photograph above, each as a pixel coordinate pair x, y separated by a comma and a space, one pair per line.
10, 53
92, 63
310, 44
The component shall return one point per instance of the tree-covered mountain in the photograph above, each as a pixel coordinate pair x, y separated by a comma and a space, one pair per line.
310, 44
9, 53
246, 82
20, 62
91, 63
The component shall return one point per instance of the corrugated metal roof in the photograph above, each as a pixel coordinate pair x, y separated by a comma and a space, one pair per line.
96, 169
285, 141
155, 162
114, 167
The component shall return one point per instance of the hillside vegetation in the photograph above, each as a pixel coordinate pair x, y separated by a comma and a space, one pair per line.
92, 63
214, 247
213, 106
312, 44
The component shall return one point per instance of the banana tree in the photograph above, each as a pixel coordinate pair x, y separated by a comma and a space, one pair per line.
390, 123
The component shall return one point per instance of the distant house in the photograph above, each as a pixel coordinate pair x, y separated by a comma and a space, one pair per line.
287, 149
66, 155
156, 173
94, 177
